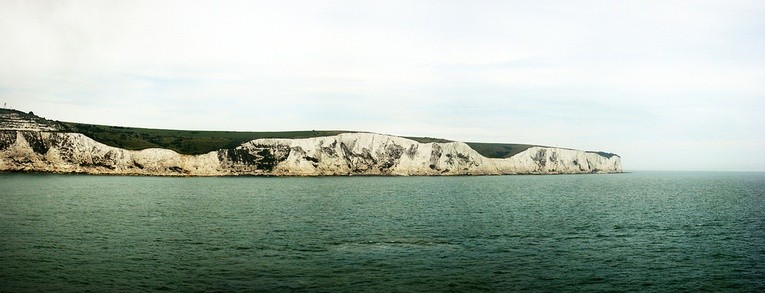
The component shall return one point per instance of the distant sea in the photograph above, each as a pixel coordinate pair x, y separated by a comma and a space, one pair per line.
641, 231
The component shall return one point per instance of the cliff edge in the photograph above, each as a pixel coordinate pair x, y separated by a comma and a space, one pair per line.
32, 144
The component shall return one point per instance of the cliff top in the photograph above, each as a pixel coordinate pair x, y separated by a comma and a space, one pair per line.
11, 119
200, 142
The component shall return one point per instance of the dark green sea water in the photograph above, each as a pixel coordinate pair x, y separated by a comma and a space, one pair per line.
643, 231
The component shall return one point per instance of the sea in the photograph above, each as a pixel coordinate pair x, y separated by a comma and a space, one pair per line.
636, 231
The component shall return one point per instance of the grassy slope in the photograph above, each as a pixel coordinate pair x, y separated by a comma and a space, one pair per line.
200, 142
182, 141
498, 150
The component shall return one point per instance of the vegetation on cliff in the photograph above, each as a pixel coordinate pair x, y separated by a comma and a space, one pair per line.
191, 142
200, 142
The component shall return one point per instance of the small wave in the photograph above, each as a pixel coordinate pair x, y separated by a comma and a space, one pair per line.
399, 243
414, 241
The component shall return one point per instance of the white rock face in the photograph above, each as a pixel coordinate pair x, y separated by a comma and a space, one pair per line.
346, 154
15, 120
33, 151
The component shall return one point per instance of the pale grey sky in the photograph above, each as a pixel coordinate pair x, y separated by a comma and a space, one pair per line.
671, 85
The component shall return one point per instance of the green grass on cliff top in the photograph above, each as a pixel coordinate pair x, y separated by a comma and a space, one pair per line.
201, 142
182, 141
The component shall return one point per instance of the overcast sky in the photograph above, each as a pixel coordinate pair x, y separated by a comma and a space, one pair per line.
668, 85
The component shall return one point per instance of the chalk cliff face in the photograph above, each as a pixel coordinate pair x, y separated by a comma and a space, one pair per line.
40, 148
29, 143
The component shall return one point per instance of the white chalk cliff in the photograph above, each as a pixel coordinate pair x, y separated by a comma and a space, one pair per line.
39, 148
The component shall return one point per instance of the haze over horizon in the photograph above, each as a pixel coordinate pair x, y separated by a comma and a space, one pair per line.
667, 85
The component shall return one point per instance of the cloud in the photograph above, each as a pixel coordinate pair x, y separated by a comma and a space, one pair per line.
584, 74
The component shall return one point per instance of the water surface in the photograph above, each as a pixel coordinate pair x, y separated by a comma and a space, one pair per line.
646, 231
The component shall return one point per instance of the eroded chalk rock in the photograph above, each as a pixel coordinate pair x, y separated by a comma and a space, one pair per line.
343, 154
